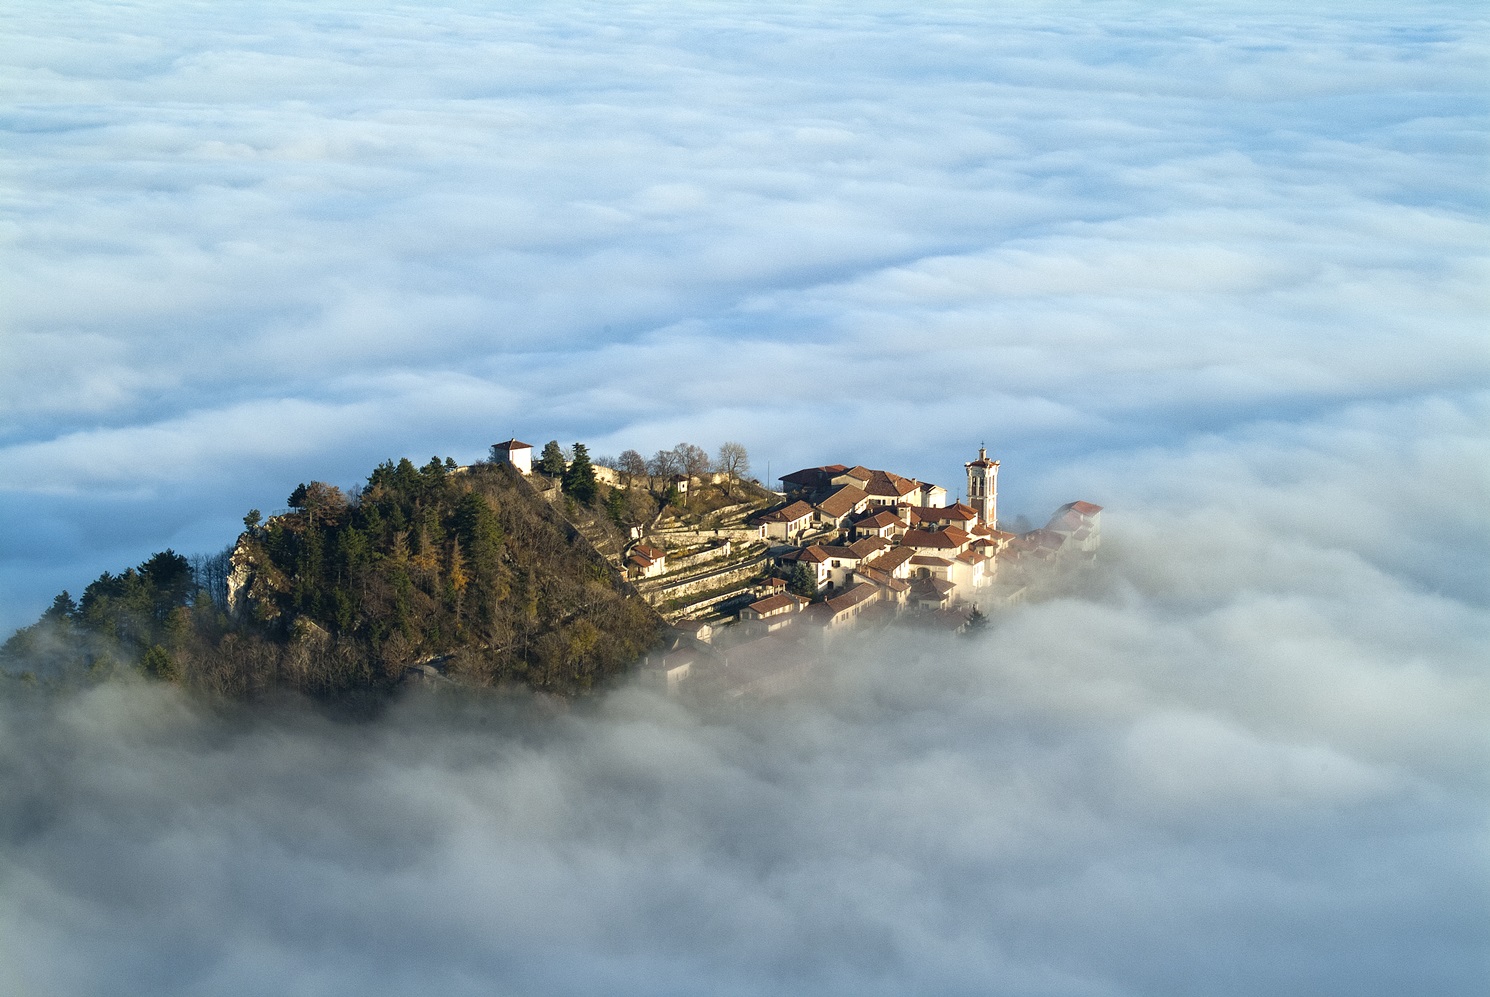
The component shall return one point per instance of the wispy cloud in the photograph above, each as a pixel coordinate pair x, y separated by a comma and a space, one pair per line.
1221, 269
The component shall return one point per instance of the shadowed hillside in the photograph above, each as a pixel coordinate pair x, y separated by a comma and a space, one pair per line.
467, 569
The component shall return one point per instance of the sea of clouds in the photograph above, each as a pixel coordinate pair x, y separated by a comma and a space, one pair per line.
1219, 268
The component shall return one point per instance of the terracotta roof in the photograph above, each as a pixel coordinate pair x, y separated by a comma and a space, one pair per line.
654, 553
772, 603
925, 538
887, 483
816, 554
790, 514
865, 546
842, 553
859, 472
806, 476
882, 578
855, 596
842, 501
818, 613
1086, 508
513, 444
933, 588
960, 512
970, 557
892, 558
931, 560
879, 520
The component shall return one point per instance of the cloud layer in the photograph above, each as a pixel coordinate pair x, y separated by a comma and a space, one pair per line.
1239, 757
1220, 269
246, 248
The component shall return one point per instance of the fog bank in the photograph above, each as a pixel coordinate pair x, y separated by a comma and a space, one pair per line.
1241, 756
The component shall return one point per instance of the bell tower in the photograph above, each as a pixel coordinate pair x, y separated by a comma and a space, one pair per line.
983, 487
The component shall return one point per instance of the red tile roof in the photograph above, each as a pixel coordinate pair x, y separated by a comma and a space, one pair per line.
842, 501
773, 604
790, 514
925, 538
855, 596
960, 512
885, 483
892, 558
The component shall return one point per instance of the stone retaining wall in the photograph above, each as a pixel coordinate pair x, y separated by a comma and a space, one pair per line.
732, 575
684, 612
690, 538
723, 549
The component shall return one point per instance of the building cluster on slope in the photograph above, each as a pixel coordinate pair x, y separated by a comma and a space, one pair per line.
852, 546
867, 537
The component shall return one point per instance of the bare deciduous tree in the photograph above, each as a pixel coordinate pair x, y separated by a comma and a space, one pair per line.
692, 461
733, 460
664, 464
631, 464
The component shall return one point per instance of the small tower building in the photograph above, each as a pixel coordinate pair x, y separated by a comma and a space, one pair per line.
519, 455
983, 487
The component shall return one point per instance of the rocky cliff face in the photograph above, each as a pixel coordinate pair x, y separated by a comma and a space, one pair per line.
253, 581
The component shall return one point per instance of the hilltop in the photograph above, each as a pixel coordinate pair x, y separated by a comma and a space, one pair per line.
466, 571
556, 575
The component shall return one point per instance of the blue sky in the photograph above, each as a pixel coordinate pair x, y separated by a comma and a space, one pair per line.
1220, 268
251, 246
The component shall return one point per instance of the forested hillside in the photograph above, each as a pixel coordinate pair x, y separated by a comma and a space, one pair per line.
467, 566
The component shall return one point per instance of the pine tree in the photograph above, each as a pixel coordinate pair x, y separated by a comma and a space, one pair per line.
976, 623
801, 582
552, 461
579, 480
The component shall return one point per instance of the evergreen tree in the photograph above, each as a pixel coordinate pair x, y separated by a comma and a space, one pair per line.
552, 461
579, 479
801, 582
976, 623
615, 506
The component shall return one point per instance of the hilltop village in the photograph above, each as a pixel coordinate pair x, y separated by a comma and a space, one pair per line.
754, 590
558, 575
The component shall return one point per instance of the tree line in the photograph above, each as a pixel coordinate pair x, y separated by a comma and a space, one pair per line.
468, 567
